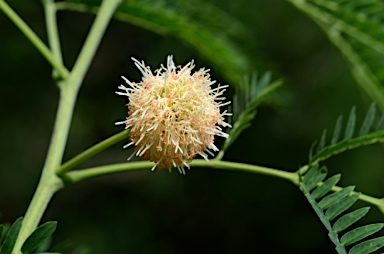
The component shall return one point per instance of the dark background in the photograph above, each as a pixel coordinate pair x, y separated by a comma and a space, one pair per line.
206, 210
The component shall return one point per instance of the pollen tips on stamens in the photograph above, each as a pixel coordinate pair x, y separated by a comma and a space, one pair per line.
173, 114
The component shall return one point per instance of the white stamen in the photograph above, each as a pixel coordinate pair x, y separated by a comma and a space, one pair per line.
174, 114
129, 144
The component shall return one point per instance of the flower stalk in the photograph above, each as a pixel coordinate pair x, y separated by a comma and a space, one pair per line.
77, 176
92, 151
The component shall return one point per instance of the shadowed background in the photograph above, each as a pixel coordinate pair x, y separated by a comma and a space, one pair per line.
206, 210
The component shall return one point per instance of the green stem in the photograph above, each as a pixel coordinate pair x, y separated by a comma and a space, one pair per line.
80, 175
45, 189
48, 185
92, 151
53, 34
302, 170
103, 17
35, 40
77, 176
49, 182
220, 155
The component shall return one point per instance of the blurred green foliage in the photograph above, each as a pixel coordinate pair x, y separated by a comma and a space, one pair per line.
206, 210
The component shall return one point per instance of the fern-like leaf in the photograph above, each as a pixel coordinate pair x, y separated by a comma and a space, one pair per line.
209, 30
337, 130
329, 207
350, 129
367, 135
355, 27
368, 121
250, 94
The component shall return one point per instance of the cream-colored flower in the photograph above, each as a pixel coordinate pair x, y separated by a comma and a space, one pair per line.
174, 114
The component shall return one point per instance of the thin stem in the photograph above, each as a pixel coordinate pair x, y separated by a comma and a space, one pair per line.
302, 170
35, 40
77, 176
92, 42
220, 155
72, 85
44, 191
53, 35
49, 182
92, 151
80, 175
48, 185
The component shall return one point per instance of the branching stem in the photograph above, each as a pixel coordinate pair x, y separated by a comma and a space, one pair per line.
49, 182
53, 34
34, 39
92, 151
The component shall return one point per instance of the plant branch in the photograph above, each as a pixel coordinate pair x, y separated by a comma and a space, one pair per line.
77, 176
34, 39
93, 40
80, 175
92, 151
52, 31
49, 182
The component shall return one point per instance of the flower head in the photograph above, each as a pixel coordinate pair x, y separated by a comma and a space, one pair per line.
173, 114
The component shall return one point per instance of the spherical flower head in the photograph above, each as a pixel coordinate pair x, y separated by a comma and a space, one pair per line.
173, 114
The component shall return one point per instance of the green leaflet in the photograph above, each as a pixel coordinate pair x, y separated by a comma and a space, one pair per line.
332, 206
11, 237
347, 220
334, 198
322, 141
368, 246
325, 187
355, 28
318, 176
337, 130
360, 233
323, 219
349, 130
367, 135
341, 206
38, 237
368, 121
203, 26
6, 228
